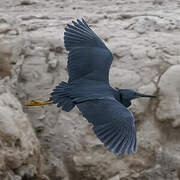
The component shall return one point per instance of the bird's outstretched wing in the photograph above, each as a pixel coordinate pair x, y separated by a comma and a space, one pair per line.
112, 123
88, 57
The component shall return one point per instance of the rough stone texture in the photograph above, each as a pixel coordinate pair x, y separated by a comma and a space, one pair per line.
20, 149
169, 105
144, 38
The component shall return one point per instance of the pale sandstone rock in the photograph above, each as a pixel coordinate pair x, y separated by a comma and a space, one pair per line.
122, 78
138, 52
5, 60
151, 52
19, 144
141, 105
168, 108
115, 178
4, 28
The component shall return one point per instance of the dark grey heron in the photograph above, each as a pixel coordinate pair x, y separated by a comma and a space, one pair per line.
88, 88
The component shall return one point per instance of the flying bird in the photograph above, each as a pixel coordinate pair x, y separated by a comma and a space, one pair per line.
88, 88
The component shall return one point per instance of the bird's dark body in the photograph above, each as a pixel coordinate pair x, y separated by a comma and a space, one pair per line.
88, 88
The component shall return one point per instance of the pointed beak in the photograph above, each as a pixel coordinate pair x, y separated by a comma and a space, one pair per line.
148, 96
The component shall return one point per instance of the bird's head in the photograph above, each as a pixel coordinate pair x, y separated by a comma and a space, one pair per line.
126, 95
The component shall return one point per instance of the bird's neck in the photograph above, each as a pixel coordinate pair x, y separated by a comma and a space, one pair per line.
124, 101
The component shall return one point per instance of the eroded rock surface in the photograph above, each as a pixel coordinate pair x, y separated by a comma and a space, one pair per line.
144, 39
20, 149
169, 105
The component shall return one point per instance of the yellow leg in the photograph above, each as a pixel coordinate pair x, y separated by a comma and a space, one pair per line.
38, 103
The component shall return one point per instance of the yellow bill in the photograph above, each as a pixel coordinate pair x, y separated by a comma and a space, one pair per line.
38, 103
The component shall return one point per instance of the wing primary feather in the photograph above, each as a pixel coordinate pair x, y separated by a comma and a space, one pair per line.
73, 44
121, 144
78, 25
82, 26
100, 132
125, 144
121, 139
102, 126
108, 140
133, 143
113, 145
81, 23
135, 146
77, 29
79, 33
115, 140
72, 41
85, 23
69, 38
76, 35
106, 134
130, 147
73, 55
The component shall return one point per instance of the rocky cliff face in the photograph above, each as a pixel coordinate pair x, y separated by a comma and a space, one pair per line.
42, 142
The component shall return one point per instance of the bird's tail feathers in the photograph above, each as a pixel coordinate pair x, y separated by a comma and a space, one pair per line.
60, 96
